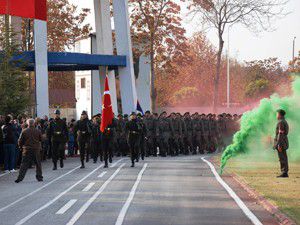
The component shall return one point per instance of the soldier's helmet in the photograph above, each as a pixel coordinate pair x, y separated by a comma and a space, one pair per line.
57, 112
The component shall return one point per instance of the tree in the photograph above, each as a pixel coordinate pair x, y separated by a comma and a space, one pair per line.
255, 15
157, 29
295, 65
13, 82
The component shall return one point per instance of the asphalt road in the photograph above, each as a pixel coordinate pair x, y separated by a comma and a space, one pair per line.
158, 191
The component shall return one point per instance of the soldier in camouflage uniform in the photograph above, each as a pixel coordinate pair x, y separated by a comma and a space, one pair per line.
188, 134
164, 132
150, 134
176, 135
198, 133
206, 132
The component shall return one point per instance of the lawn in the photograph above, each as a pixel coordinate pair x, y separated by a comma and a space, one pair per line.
261, 175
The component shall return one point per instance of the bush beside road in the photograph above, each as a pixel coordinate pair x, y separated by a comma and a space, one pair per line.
261, 176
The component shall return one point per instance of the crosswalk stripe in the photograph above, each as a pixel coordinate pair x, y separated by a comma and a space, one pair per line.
66, 207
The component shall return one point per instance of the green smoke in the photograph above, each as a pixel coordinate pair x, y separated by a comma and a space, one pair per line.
258, 126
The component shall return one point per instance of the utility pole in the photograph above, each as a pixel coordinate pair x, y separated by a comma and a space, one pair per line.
228, 69
294, 42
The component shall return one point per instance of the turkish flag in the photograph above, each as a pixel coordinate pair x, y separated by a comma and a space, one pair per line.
35, 9
107, 112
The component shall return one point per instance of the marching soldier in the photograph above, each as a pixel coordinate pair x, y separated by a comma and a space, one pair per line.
107, 139
96, 139
83, 131
121, 141
58, 135
281, 143
134, 130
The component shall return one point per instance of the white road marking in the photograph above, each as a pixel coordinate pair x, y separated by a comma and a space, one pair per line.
88, 187
3, 174
25, 219
102, 174
66, 207
236, 198
94, 197
37, 190
123, 211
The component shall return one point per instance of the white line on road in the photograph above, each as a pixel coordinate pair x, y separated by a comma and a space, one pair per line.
94, 197
236, 198
37, 190
102, 174
123, 211
88, 187
66, 207
25, 219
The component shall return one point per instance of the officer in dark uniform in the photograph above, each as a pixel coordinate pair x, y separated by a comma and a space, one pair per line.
83, 131
134, 130
96, 139
107, 138
121, 141
281, 143
58, 135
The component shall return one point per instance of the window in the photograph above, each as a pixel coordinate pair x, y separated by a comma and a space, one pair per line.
83, 83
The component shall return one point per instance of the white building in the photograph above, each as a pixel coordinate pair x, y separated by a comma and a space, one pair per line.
83, 81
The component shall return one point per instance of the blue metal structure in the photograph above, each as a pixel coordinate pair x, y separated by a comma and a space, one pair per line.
69, 61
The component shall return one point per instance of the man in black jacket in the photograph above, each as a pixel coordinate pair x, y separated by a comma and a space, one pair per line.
83, 131
9, 144
58, 135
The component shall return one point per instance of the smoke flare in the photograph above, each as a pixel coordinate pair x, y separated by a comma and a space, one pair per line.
258, 124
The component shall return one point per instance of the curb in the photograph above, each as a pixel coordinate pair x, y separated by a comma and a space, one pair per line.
281, 217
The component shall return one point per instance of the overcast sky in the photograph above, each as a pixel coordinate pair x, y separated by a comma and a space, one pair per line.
245, 45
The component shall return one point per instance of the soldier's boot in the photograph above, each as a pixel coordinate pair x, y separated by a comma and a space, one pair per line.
61, 163
106, 164
87, 158
55, 166
82, 164
132, 163
110, 159
101, 158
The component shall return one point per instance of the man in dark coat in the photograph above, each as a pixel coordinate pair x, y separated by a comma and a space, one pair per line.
58, 135
83, 130
30, 144
281, 142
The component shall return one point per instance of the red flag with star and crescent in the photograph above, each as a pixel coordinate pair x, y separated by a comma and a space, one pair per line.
107, 112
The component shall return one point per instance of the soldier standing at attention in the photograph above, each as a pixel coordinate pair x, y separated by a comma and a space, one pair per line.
134, 130
150, 133
281, 142
83, 130
164, 132
188, 135
58, 135
30, 143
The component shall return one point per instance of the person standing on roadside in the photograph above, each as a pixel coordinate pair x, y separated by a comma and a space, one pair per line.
281, 143
9, 145
30, 143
